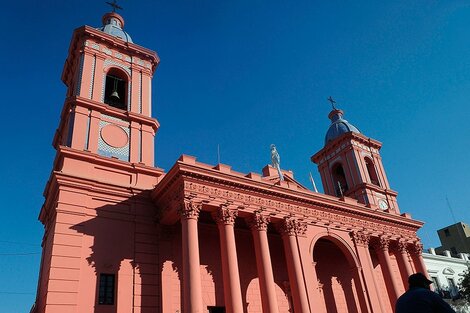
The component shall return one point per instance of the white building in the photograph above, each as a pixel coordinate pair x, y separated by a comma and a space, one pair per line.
446, 272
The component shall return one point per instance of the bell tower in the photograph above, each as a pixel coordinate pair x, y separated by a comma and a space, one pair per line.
97, 213
108, 107
350, 166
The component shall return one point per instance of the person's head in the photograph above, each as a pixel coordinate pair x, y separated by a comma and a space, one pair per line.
419, 280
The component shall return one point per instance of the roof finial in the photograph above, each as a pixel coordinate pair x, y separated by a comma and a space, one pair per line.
114, 5
332, 101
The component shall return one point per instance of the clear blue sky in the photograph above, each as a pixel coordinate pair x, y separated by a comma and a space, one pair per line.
244, 74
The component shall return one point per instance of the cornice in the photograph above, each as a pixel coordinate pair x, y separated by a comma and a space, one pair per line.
444, 258
373, 187
109, 110
125, 46
138, 168
349, 140
200, 179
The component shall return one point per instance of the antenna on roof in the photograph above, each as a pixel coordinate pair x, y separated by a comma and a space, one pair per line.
218, 154
114, 5
313, 182
450, 209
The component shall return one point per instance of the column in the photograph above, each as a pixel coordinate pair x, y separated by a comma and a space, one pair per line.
386, 265
361, 242
417, 255
403, 260
290, 228
259, 225
225, 218
192, 294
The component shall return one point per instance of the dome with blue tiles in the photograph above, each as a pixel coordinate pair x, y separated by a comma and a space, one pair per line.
338, 126
113, 24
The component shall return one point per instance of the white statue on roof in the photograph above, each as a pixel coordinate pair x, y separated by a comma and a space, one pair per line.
276, 160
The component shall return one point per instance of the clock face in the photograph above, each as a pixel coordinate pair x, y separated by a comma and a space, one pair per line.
383, 204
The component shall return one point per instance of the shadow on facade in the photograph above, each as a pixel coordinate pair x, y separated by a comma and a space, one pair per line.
121, 243
124, 240
335, 273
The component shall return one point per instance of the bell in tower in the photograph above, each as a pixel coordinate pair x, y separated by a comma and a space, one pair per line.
350, 165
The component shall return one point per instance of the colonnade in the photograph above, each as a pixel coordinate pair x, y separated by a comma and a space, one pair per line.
407, 253
225, 218
290, 229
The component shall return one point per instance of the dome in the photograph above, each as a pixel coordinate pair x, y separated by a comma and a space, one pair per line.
113, 24
338, 126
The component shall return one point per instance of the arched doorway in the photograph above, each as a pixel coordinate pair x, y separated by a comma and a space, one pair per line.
338, 277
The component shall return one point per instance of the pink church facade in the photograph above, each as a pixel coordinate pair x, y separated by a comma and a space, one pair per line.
124, 236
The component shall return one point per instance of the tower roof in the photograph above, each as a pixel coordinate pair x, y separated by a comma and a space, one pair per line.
338, 126
113, 24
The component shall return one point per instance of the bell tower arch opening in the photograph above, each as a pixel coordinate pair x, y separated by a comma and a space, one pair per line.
116, 87
371, 170
339, 179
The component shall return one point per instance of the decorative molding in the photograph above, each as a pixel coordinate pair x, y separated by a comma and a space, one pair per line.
92, 80
104, 149
225, 215
416, 248
383, 243
109, 62
258, 221
402, 246
190, 209
252, 197
343, 218
80, 73
360, 238
292, 227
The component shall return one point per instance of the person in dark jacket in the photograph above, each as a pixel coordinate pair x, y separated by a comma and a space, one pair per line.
420, 299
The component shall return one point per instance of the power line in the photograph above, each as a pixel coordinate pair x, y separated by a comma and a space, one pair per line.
19, 243
16, 293
14, 254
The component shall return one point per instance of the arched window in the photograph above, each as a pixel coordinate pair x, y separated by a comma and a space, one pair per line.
339, 179
115, 91
374, 179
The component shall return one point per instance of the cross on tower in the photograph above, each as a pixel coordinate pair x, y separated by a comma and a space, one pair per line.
332, 101
114, 5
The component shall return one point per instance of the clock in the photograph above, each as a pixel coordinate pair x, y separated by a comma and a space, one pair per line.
383, 204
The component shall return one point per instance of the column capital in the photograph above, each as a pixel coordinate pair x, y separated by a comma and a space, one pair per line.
360, 238
225, 215
258, 221
416, 248
381, 243
190, 209
292, 227
402, 246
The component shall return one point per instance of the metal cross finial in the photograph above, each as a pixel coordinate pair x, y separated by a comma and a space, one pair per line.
114, 5
332, 101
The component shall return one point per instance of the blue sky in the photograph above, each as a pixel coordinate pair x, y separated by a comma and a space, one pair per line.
242, 75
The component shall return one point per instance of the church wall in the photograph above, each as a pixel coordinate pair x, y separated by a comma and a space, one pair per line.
170, 267
45, 266
211, 271
94, 234
281, 279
